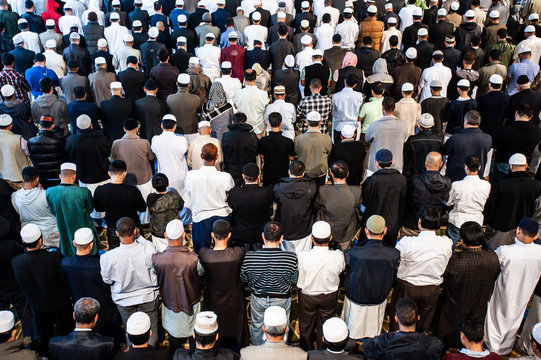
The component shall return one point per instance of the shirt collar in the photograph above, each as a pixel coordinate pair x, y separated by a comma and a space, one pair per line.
80, 329
474, 354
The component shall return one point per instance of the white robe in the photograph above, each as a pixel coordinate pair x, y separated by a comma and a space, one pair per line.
520, 270
114, 34
170, 150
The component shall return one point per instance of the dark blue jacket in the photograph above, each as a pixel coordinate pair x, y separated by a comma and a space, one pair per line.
24, 59
257, 55
79, 107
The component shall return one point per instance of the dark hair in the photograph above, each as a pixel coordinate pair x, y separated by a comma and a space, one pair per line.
92, 16
273, 231
388, 104
133, 60
8, 59
525, 110
250, 75
437, 57
204, 339
32, 245
472, 234
139, 339
275, 119
377, 88
72, 64
229, 22
337, 347
469, 58
160, 182
393, 40
46, 84
209, 152
151, 85
239, 118
5, 336
367, 40
30, 178
495, 54
125, 226
473, 117
163, 54
282, 30
46, 124
315, 83
430, 217
337, 38
502, 33
168, 124
296, 168
340, 169
472, 328
221, 228
79, 92
473, 163
326, 18
157, 5
476, 40
406, 311
28, 4
117, 167
23, 25
351, 80
39, 57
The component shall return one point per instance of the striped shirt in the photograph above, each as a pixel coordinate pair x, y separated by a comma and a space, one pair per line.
270, 271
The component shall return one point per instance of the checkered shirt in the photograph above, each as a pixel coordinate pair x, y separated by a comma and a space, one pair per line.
316, 102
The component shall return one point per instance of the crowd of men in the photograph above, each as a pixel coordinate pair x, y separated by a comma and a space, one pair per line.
162, 160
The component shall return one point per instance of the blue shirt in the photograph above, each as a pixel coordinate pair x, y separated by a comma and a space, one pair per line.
224, 42
525, 67
173, 17
35, 74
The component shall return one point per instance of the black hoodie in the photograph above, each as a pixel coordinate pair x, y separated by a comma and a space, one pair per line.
239, 146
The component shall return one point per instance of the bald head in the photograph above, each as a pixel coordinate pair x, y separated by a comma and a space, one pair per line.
433, 161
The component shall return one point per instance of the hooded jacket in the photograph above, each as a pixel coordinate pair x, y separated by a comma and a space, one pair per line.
50, 13
33, 208
89, 149
164, 210
394, 58
20, 113
379, 74
16, 350
428, 189
50, 104
239, 147
465, 32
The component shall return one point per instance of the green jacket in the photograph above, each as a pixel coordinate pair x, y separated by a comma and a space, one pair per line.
164, 210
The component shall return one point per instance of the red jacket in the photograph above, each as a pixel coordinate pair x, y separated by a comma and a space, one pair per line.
235, 55
50, 13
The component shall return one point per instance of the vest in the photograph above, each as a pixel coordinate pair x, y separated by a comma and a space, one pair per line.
12, 158
316, 71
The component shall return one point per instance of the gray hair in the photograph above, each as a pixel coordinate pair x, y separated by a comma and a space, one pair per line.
86, 309
473, 117
278, 330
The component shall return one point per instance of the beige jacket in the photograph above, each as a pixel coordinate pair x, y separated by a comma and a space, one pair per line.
272, 351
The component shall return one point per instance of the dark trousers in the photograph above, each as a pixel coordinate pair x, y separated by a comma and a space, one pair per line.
201, 232
112, 240
16, 298
426, 298
46, 322
337, 137
178, 343
314, 310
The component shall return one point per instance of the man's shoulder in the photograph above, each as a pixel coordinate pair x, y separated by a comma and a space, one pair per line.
255, 351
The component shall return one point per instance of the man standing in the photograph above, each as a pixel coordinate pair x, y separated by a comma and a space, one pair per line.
346, 106
352, 152
185, 107
149, 110
139, 333
436, 72
48, 103
252, 102
116, 110
418, 146
100, 81
165, 75
203, 137
13, 152
520, 269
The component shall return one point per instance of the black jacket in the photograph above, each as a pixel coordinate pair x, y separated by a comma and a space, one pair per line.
147, 353
295, 198
394, 58
366, 56
417, 148
437, 33
403, 345
24, 59
93, 32
133, 83
289, 78
279, 50
180, 60
89, 149
492, 107
108, 59
81, 345
465, 32
257, 55
192, 40
21, 116
115, 111
141, 15
265, 17
436, 106
149, 55
452, 58
149, 111
81, 56
424, 54
35, 22
210, 354
353, 153
239, 147
139, 39
428, 189
250, 205
195, 18
47, 153
409, 35
527, 96
519, 137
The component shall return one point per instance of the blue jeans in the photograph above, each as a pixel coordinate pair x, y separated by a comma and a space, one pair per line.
201, 232
258, 306
454, 234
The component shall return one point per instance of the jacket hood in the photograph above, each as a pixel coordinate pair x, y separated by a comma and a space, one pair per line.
380, 66
46, 100
51, 5
240, 127
295, 188
469, 26
27, 196
435, 182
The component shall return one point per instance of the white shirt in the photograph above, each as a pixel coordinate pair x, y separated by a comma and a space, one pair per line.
304, 58
211, 5
31, 41
252, 102
247, 6
122, 55
209, 59
170, 150
406, 16
319, 270
252, 32
77, 6
324, 34
99, 13
520, 266
349, 32
231, 86
271, 6
67, 21
194, 151
334, 12
468, 198
424, 258
289, 116
148, 5
114, 34
55, 62
436, 72
317, 5
534, 43
207, 189
346, 106
387, 35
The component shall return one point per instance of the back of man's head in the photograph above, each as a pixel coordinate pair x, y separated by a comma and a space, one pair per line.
406, 312
429, 218
473, 118
340, 169
221, 229
472, 234
125, 226
85, 310
272, 231
472, 328
473, 163
296, 168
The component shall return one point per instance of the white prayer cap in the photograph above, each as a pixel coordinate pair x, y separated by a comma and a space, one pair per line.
289, 61
321, 230
114, 16
226, 65
388, 6
455, 5
335, 330
179, 2
83, 236
7, 321
411, 53
470, 14
210, 36
279, 90
496, 79
153, 32
518, 159
102, 42
193, 60
239, 8
83, 121
536, 332
281, 15
305, 24
442, 12
5, 119
529, 29
274, 316
50, 44
100, 61
182, 18
372, 9
169, 117
348, 10
422, 32
437, 52
206, 322
305, 5
463, 83
7, 90
181, 40
116, 85
68, 166
533, 16
22, 21
256, 16
137, 23
233, 35
137, 2
348, 131
220, 2
138, 323
183, 79
75, 36
426, 121
317, 52
524, 49
18, 39
313, 116
201, 4
494, 14
407, 87
392, 21
115, 2
30, 233
128, 38
174, 229
257, 2
417, 11
50, 22
203, 123
306, 40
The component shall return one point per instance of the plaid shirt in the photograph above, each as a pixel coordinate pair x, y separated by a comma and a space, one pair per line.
316, 102
19, 83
